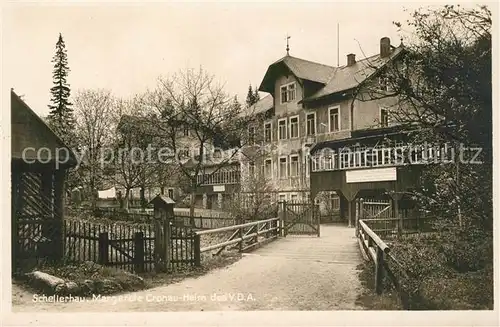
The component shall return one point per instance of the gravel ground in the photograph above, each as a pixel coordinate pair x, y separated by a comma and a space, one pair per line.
295, 273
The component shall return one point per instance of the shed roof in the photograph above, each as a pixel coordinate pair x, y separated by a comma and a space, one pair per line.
29, 133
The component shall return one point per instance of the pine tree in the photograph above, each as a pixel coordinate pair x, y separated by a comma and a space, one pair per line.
256, 96
61, 118
250, 97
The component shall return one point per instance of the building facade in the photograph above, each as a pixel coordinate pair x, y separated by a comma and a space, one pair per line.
308, 105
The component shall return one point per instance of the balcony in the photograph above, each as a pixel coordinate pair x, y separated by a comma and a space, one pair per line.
374, 157
223, 177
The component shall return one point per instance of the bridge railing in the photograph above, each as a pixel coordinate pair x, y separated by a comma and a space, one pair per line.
386, 265
243, 237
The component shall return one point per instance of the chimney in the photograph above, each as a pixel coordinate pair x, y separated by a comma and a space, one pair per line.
385, 47
351, 59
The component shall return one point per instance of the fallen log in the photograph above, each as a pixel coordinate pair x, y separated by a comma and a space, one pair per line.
44, 281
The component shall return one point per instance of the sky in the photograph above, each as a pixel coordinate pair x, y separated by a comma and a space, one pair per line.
126, 47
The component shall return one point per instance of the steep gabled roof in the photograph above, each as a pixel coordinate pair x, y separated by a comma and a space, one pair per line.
28, 130
302, 69
348, 77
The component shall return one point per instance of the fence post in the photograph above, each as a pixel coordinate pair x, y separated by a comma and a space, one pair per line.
359, 215
283, 220
197, 252
379, 271
318, 218
139, 252
164, 214
240, 235
103, 258
397, 215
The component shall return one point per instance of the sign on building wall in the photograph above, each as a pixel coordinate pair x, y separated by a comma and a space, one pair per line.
371, 175
219, 188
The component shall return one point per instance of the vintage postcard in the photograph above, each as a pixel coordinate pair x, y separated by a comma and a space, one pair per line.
267, 163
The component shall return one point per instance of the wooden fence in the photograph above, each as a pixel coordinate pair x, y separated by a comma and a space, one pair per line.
370, 233
376, 250
205, 222
389, 227
244, 237
124, 245
183, 218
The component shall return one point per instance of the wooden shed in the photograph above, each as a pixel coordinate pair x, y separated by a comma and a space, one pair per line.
39, 163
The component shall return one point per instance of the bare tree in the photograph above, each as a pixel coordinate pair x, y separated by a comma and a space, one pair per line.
255, 200
94, 111
131, 161
204, 125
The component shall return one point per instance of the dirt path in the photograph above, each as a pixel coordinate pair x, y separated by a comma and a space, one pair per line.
295, 273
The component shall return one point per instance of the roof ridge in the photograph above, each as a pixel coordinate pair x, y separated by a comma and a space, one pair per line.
312, 62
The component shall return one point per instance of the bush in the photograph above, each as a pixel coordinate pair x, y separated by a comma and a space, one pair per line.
468, 249
448, 270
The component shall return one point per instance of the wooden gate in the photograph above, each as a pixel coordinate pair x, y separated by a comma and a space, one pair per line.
300, 218
377, 213
372, 209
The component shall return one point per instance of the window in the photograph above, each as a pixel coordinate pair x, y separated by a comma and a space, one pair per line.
268, 168
185, 131
293, 197
334, 121
251, 169
294, 166
282, 167
287, 93
291, 92
268, 132
383, 83
282, 197
251, 135
294, 127
171, 193
384, 117
311, 124
282, 129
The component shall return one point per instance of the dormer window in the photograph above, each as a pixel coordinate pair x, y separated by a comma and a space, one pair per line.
287, 92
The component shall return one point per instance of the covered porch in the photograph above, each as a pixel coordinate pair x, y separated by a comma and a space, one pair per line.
367, 166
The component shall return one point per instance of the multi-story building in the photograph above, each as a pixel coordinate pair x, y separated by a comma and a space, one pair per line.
309, 107
309, 104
